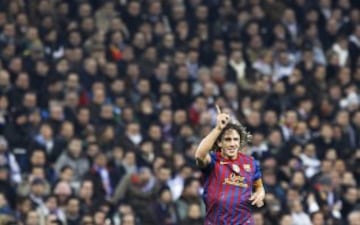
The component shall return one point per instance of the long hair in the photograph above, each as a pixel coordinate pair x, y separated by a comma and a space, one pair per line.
245, 136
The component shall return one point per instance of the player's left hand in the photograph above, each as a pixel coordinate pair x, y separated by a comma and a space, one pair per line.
257, 198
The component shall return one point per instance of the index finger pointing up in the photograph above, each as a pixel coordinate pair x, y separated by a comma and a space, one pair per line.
218, 109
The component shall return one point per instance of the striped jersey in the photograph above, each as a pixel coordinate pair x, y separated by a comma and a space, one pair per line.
228, 186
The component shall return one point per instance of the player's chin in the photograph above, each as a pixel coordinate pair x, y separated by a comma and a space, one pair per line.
232, 152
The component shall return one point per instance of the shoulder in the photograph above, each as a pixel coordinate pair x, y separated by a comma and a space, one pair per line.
63, 156
254, 161
215, 155
246, 157
249, 160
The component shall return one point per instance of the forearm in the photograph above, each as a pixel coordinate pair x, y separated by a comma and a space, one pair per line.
121, 189
207, 143
257, 197
258, 185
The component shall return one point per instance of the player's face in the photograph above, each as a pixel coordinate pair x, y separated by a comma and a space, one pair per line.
230, 144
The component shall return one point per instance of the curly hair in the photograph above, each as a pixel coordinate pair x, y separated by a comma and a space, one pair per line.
245, 136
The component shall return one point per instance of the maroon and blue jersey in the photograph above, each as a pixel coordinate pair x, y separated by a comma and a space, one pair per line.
228, 186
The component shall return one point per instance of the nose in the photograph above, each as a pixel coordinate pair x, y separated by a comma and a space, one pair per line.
233, 143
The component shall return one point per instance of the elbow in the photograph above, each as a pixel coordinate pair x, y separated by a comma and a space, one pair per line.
198, 154
200, 159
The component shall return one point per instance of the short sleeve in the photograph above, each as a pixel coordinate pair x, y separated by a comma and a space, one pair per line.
207, 169
257, 174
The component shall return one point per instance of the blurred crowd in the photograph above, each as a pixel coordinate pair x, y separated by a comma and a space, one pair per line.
102, 104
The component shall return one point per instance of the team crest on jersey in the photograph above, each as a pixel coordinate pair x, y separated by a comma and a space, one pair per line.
247, 167
236, 168
236, 180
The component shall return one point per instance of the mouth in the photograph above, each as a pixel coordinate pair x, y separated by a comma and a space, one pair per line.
231, 150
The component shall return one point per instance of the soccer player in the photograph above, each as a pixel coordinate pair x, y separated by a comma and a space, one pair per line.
230, 175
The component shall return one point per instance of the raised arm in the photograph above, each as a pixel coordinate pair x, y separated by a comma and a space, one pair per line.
202, 152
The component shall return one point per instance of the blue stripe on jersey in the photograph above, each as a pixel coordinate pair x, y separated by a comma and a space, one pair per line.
219, 191
243, 191
209, 181
249, 189
233, 201
236, 197
229, 192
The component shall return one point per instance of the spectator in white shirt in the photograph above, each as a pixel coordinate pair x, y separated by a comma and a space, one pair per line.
8, 160
310, 162
298, 215
177, 183
283, 66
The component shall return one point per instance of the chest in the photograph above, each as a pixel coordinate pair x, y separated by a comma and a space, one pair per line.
239, 171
